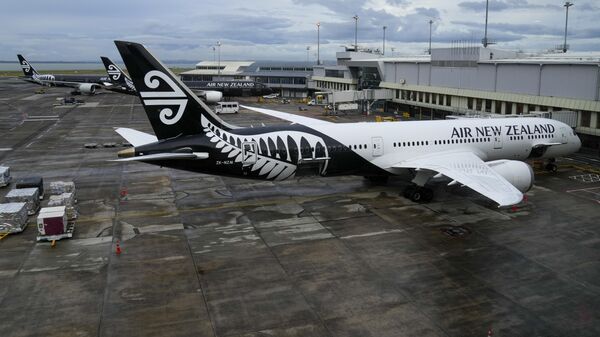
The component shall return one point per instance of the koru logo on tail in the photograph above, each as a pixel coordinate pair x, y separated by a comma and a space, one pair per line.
25, 65
169, 98
114, 72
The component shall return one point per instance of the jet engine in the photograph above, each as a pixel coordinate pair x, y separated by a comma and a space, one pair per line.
87, 88
211, 96
518, 173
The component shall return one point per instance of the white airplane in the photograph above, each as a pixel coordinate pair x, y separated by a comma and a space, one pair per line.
84, 84
485, 155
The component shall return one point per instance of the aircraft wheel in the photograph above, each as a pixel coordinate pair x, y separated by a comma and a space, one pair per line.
416, 196
408, 192
552, 168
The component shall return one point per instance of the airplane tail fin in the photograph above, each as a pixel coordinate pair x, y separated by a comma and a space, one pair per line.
114, 72
27, 68
173, 110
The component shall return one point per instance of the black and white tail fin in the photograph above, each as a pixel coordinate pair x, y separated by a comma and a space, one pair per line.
173, 110
118, 77
115, 73
27, 68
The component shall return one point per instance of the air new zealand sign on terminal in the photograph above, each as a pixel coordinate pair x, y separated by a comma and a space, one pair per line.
229, 84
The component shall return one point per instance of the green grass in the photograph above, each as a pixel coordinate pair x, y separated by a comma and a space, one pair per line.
15, 73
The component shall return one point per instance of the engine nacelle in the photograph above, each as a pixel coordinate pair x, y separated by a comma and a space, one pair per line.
518, 173
212, 96
87, 88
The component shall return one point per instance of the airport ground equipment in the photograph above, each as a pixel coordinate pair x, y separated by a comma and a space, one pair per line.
4, 176
30, 182
52, 224
67, 200
13, 217
60, 187
30, 196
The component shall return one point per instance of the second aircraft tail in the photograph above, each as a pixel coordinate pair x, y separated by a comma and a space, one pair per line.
27, 68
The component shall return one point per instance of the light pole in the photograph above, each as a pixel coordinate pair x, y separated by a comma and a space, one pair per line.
307, 50
384, 28
567, 5
318, 43
355, 17
393, 49
485, 39
214, 54
430, 24
219, 63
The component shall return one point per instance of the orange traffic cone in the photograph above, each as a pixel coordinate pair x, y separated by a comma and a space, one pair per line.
118, 250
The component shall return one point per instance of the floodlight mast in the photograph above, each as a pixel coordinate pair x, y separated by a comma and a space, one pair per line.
485, 38
566, 5
383, 49
355, 17
430, 24
318, 43
219, 64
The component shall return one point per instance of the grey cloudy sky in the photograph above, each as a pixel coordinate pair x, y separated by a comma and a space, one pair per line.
72, 30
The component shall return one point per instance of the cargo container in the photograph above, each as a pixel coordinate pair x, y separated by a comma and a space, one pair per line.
32, 182
30, 196
13, 217
52, 220
67, 200
4, 175
60, 187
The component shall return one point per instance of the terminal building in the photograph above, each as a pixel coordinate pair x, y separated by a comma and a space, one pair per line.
473, 81
470, 80
289, 79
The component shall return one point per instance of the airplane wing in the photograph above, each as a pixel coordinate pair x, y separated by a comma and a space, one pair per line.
295, 119
469, 170
68, 84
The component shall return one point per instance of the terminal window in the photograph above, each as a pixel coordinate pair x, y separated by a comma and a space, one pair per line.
586, 117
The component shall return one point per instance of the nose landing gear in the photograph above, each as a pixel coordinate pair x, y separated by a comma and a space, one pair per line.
551, 166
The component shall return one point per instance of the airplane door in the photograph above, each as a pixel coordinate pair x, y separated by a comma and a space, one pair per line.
377, 146
563, 135
248, 153
497, 141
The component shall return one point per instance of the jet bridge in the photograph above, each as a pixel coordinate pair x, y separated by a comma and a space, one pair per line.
365, 98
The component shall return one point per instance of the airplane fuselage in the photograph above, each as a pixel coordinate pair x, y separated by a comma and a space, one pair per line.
56, 80
285, 151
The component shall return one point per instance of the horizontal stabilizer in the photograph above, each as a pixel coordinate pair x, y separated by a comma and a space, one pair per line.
167, 156
135, 137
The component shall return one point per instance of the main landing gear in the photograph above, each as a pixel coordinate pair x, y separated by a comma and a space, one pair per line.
418, 194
